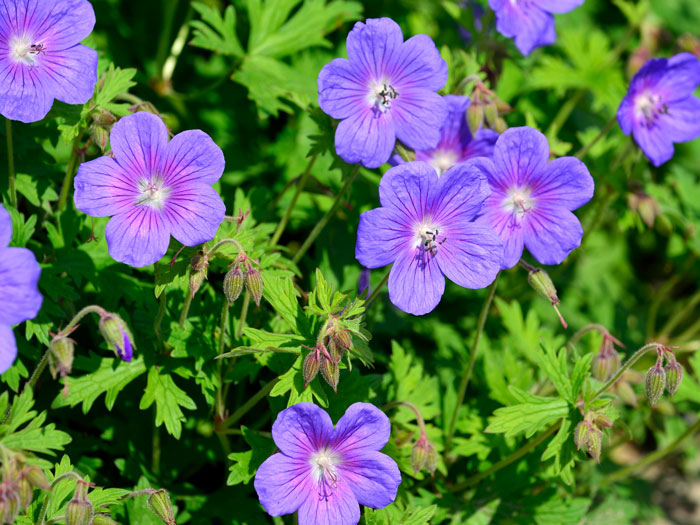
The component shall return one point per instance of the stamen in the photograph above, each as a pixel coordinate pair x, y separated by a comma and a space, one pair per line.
152, 192
324, 465
519, 203
648, 107
382, 95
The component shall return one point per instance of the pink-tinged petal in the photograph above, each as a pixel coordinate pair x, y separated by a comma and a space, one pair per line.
372, 45
564, 182
339, 508
472, 254
138, 237
342, 88
5, 227
8, 348
416, 283
283, 483
301, 430
103, 188
138, 142
680, 78
417, 65
373, 477
381, 235
366, 138
192, 156
655, 144
24, 92
558, 6
58, 24
682, 121
418, 116
19, 275
71, 73
407, 189
195, 212
459, 194
362, 428
551, 233
519, 153
497, 218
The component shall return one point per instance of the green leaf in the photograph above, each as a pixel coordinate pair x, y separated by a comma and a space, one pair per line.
113, 82
168, 398
561, 448
282, 295
245, 464
555, 367
293, 381
528, 417
215, 32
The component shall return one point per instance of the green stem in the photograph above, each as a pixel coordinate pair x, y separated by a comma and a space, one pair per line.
11, 163
162, 307
166, 31
219, 408
70, 171
288, 212
155, 457
632, 360
651, 458
224, 242
603, 132
529, 446
322, 223
186, 307
674, 321
413, 408
176, 50
243, 410
470, 365
583, 331
244, 315
34, 379
564, 113
378, 289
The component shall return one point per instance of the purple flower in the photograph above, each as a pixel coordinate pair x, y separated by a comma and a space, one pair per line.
425, 228
660, 108
323, 472
530, 21
456, 142
21, 300
531, 199
384, 91
153, 188
41, 58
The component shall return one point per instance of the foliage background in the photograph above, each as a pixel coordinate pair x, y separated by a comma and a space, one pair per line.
150, 422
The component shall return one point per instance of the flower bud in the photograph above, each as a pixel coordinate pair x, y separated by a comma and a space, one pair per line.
581, 434
117, 335
491, 114
406, 153
103, 519
626, 393
198, 272
603, 421
500, 126
25, 491
310, 368
543, 285
233, 284
61, 351
423, 455
99, 131
330, 372
601, 366
79, 509
159, 503
254, 285
475, 117
9, 502
595, 443
655, 383
343, 339
674, 376
37, 478
335, 351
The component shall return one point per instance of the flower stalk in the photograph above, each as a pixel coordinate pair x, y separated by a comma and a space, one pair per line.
11, 164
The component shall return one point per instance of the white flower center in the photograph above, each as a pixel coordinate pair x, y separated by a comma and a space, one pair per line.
152, 192
518, 202
442, 160
324, 469
381, 95
428, 238
648, 106
24, 51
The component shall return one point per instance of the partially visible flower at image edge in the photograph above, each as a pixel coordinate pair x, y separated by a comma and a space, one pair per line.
20, 299
326, 473
385, 90
41, 57
425, 227
456, 144
153, 188
660, 108
530, 22
532, 199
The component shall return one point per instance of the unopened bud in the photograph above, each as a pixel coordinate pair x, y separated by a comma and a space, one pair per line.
37, 478
198, 272
406, 153
117, 335
491, 114
674, 376
475, 117
233, 284
159, 503
601, 367
343, 339
595, 443
626, 393
655, 383
500, 126
335, 351
9, 502
61, 352
423, 455
103, 519
330, 372
99, 131
25, 491
581, 434
543, 285
615, 361
310, 368
503, 107
254, 285
603, 421
79, 509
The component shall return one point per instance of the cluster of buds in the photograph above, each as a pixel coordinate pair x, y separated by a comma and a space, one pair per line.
332, 343
645, 205
61, 353
243, 273
543, 285
486, 108
660, 378
423, 455
607, 361
589, 434
19, 481
100, 128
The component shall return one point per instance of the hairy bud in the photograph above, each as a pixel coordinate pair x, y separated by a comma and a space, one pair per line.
602, 366
198, 272
343, 339
423, 455
61, 352
117, 335
233, 284
9, 502
475, 117
311, 366
581, 434
491, 113
595, 443
335, 351
330, 372
254, 285
159, 503
37, 478
674, 376
542, 283
655, 383
79, 509
25, 491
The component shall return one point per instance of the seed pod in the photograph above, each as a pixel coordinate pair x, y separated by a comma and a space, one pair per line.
61, 352
674, 376
159, 503
310, 368
254, 285
655, 383
233, 284
595, 443
330, 372
475, 117
581, 434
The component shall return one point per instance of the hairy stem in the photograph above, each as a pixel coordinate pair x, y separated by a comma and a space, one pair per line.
288, 212
243, 316
583, 331
219, 408
243, 410
378, 289
632, 360
186, 307
413, 408
75, 156
224, 242
11, 164
324, 220
470, 365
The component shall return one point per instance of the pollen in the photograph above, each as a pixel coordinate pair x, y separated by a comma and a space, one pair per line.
152, 192
22, 50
